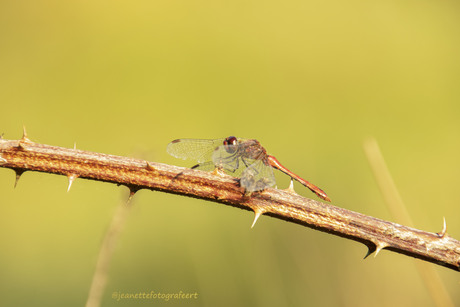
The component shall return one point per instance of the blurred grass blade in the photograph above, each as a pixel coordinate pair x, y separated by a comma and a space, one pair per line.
106, 252
399, 212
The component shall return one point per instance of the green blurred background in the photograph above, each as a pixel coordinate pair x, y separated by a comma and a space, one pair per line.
311, 80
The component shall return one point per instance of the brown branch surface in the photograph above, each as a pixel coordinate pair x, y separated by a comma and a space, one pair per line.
25, 155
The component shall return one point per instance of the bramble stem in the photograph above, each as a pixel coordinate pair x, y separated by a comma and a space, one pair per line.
25, 155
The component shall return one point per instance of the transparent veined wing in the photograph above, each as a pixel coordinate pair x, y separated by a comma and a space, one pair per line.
199, 150
205, 166
257, 176
227, 158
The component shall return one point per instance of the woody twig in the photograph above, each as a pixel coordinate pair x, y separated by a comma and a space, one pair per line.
25, 155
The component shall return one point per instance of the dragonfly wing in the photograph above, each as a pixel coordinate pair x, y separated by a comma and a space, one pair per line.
194, 149
227, 158
205, 166
257, 176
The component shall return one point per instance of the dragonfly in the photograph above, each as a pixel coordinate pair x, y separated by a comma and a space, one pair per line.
245, 159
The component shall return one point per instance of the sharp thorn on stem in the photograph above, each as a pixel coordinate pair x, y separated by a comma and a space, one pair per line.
257, 214
379, 247
24, 135
132, 191
444, 228
21, 145
71, 178
150, 167
18, 172
290, 189
2, 160
22, 142
369, 252
75, 145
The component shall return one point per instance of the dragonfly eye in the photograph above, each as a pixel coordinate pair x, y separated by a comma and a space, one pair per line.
231, 140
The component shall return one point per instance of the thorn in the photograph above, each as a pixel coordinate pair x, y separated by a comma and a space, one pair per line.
75, 145
444, 229
18, 172
290, 189
24, 135
257, 214
21, 144
24, 140
132, 191
71, 177
150, 167
2, 160
371, 249
379, 247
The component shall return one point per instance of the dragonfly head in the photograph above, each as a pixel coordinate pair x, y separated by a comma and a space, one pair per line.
231, 140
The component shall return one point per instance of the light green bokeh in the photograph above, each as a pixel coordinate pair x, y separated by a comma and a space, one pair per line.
311, 80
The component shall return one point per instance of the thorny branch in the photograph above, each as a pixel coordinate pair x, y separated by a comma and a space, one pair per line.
24, 155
